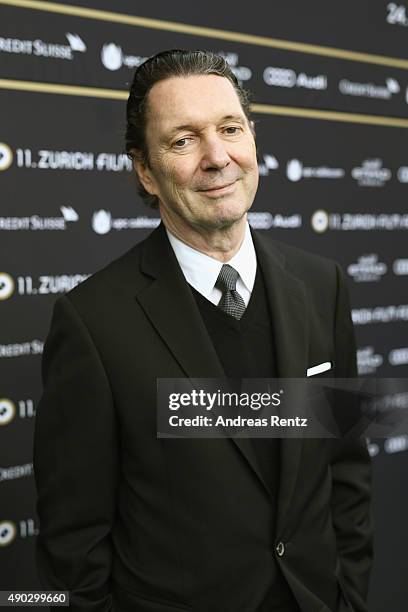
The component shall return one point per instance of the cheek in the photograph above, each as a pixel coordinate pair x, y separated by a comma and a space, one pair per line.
246, 158
178, 174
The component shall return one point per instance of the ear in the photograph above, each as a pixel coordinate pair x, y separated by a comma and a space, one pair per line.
143, 172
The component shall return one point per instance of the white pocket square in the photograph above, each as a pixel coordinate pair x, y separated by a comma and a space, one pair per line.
318, 369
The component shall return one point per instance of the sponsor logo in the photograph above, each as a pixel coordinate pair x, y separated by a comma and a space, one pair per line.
21, 349
37, 223
268, 165
370, 90
295, 171
16, 471
402, 173
396, 444
113, 57
266, 220
6, 286
103, 222
396, 14
39, 48
398, 356
243, 73
380, 314
400, 267
320, 221
286, 77
6, 156
373, 448
7, 411
371, 173
8, 532
368, 361
367, 269
72, 160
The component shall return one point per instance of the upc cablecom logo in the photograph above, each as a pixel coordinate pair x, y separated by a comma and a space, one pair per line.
6, 156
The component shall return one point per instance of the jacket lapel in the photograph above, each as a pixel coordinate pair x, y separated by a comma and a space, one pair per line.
288, 305
169, 304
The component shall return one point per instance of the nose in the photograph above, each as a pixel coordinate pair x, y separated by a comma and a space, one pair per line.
214, 154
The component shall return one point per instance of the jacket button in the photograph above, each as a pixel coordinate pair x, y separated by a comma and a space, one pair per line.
280, 549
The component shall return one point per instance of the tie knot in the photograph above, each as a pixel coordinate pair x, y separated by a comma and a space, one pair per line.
227, 278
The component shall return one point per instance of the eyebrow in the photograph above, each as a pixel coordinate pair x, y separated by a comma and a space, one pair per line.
190, 126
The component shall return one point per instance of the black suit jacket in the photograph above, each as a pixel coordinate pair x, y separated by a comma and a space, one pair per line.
132, 522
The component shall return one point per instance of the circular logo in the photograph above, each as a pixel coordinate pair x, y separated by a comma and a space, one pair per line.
6, 285
102, 221
6, 156
7, 532
111, 56
320, 221
294, 170
7, 411
403, 174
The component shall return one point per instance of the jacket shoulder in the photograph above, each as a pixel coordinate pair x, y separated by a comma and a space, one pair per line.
299, 262
119, 276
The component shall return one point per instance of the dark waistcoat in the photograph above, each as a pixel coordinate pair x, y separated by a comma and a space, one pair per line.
246, 350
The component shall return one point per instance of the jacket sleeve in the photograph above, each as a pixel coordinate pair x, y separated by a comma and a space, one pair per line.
75, 465
351, 475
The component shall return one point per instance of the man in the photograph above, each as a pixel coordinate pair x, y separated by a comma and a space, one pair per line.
132, 522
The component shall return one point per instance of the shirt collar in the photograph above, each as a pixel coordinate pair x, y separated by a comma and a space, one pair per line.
201, 271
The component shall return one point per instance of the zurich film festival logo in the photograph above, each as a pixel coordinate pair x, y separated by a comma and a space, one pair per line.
295, 171
6, 286
6, 156
320, 221
8, 532
113, 57
7, 411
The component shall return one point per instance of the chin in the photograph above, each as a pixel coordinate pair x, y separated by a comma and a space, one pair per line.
222, 220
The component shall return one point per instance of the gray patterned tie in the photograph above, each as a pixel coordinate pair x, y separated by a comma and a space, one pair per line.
231, 302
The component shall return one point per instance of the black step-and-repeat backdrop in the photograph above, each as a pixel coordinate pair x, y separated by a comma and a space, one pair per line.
331, 103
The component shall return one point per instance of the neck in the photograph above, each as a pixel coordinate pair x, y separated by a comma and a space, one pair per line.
221, 243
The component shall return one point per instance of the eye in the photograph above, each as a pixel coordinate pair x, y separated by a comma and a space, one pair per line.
181, 143
234, 129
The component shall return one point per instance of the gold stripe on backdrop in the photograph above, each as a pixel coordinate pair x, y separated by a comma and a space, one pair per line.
184, 28
268, 109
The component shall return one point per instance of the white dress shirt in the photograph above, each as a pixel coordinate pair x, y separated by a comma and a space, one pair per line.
201, 271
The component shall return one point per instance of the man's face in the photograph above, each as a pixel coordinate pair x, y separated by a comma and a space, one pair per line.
202, 155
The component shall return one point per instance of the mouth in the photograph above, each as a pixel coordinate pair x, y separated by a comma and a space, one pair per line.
219, 191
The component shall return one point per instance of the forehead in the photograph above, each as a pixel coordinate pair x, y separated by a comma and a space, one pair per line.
194, 99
